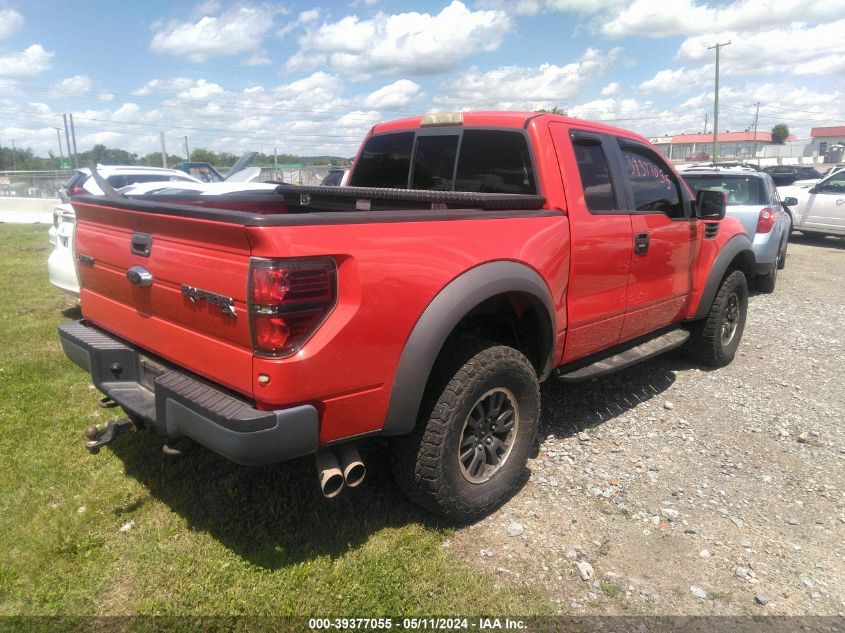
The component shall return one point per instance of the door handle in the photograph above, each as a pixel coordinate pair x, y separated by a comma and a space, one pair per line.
641, 243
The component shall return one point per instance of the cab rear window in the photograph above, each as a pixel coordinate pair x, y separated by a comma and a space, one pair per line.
476, 160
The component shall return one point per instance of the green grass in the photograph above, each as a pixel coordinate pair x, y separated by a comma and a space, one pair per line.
209, 537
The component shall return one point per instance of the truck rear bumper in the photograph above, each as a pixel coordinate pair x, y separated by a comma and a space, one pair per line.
178, 404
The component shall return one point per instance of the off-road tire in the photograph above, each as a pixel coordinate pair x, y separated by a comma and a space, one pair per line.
766, 283
706, 343
426, 463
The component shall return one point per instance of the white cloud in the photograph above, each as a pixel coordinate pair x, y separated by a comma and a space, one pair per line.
126, 112
155, 86
105, 96
658, 18
32, 61
258, 58
399, 93
239, 29
800, 49
74, 86
533, 7
676, 80
515, 87
10, 22
409, 43
306, 17
611, 89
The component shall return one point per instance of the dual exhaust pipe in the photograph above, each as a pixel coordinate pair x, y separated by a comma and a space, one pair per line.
339, 468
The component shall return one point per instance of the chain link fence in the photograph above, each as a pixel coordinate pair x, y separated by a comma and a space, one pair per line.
33, 184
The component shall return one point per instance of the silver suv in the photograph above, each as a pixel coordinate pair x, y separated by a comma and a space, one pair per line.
752, 198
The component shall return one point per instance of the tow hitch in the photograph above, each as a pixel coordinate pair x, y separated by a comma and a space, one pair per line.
97, 438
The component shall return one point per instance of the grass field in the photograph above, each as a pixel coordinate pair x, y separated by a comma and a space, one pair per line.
207, 536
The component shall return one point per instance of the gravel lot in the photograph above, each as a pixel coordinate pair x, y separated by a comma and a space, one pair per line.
669, 489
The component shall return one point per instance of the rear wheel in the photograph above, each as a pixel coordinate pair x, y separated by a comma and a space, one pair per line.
782, 254
715, 339
474, 434
766, 283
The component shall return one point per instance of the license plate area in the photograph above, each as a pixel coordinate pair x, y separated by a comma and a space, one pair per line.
149, 371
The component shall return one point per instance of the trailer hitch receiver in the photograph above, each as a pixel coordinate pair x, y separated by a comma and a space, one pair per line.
96, 439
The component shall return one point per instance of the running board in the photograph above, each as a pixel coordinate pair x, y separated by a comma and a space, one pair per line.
643, 351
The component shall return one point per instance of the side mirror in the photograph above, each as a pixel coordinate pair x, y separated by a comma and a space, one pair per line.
710, 204
790, 201
815, 188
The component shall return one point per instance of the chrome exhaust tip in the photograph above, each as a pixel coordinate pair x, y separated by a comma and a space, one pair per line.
351, 465
329, 474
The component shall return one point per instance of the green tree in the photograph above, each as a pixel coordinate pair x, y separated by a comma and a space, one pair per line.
780, 133
552, 110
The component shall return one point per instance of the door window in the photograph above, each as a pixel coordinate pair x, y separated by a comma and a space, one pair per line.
595, 177
652, 184
834, 184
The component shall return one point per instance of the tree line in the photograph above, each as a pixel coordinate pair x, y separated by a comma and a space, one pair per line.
25, 159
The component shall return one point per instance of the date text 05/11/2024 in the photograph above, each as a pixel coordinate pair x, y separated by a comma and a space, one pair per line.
416, 624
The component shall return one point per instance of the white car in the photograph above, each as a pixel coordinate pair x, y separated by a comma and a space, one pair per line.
820, 209
61, 267
196, 188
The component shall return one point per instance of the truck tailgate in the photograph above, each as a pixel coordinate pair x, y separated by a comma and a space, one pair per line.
193, 313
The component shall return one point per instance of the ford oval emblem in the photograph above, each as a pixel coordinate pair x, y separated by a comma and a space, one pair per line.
140, 276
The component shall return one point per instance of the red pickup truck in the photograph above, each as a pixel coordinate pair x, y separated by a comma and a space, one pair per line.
472, 257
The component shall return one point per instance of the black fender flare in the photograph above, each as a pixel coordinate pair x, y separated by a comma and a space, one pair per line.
439, 319
733, 247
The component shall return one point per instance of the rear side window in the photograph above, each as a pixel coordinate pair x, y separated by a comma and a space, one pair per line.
434, 162
595, 177
738, 190
653, 187
384, 162
495, 161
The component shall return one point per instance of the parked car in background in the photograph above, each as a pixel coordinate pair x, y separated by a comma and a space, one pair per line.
207, 173
699, 156
61, 267
788, 174
809, 182
336, 177
728, 164
752, 199
819, 210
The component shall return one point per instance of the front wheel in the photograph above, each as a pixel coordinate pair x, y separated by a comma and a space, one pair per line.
715, 339
474, 434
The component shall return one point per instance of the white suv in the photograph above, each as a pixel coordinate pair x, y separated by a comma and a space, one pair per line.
61, 266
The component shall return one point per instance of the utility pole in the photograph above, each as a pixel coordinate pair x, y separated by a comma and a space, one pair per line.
73, 138
754, 146
59, 139
67, 140
187, 151
163, 153
705, 122
718, 47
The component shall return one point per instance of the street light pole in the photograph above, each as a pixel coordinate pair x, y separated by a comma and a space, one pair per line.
718, 47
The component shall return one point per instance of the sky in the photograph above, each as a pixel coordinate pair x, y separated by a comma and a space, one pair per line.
311, 78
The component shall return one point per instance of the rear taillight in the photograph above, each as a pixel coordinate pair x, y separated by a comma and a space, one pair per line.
289, 299
77, 191
766, 220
